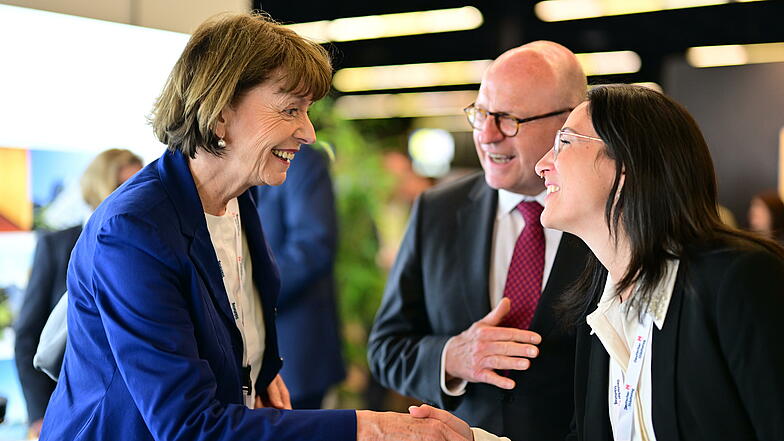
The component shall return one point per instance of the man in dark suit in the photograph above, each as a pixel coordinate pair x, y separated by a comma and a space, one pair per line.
44, 289
445, 332
300, 224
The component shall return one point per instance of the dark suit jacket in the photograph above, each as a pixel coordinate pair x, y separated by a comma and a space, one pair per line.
153, 349
44, 289
717, 365
438, 287
301, 228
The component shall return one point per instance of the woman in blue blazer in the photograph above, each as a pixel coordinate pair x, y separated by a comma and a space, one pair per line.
171, 314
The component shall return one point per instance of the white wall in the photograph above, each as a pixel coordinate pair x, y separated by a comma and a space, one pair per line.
73, 83
171, 15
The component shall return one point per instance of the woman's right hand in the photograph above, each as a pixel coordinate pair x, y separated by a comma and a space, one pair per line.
453, 422
389, 426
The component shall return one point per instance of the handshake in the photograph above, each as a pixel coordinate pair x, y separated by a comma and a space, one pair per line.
425, 423
472, 356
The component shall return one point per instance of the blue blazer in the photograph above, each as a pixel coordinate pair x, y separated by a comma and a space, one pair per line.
301, 224
153, 351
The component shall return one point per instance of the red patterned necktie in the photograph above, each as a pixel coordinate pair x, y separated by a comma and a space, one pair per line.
524, 279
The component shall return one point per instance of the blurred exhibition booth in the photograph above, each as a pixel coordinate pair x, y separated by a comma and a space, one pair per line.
81, 76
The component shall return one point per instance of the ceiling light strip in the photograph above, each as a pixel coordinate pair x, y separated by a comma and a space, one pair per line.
562, 10
391, 25
452, 73
735, 54
404, 105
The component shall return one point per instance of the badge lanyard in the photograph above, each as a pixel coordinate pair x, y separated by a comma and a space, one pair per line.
238, 305
625, 386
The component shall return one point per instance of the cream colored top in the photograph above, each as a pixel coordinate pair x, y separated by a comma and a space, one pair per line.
231, 247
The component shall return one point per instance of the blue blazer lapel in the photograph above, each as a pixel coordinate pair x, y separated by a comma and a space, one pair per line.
181, 189
265, 269
267, 280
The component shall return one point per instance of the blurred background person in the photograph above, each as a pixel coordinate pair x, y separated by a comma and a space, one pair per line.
726, 216
407, 185
102, 176
300, 224
766, 215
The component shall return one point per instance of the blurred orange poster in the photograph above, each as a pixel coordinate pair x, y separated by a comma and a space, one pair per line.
16, 208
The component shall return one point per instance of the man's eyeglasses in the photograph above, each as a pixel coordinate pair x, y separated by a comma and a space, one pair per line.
564, 139
507, 124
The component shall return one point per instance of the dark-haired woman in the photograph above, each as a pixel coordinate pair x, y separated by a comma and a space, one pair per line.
679, 333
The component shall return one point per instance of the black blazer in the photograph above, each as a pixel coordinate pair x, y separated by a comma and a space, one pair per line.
717, 366
44, 289
438, 287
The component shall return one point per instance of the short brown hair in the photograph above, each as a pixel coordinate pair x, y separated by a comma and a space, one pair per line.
102, 175
226, 56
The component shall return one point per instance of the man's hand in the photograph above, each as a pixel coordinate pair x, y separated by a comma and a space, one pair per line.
390, 426
479, 350
277, 395
453, 422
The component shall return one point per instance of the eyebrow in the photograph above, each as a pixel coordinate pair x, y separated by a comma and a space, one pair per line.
500, 112
568, 129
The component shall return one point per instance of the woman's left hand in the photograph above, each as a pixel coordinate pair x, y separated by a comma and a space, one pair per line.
277, 395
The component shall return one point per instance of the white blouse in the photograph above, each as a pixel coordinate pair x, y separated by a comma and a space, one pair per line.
231, 248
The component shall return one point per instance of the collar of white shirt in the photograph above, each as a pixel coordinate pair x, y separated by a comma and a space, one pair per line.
507, 201
660, 301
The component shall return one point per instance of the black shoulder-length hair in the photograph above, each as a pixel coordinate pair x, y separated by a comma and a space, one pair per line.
667, 202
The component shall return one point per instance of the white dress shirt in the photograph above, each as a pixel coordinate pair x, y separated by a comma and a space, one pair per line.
231, 247
509, 223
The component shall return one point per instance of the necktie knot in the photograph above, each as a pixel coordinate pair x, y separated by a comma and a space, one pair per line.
531, 211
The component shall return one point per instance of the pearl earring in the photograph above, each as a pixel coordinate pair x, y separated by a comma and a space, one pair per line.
221, 143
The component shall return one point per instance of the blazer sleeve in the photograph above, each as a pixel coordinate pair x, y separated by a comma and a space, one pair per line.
749, 305
138, 287
36, 386
308, 253
403, 352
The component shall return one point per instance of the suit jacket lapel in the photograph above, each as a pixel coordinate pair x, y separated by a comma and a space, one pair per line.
569, 263
597, 417
473, 240
267, 279
664, 351
181, 189
265, 270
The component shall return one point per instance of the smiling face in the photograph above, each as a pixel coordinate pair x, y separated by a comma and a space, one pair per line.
521, 83
579, 181
263, 132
